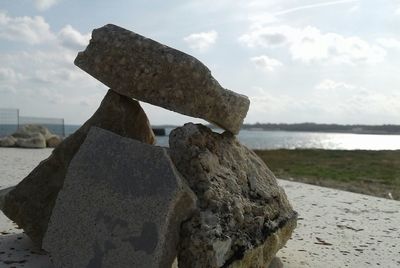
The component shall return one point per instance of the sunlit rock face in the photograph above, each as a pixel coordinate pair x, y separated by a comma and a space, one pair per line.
140, 68
243, 217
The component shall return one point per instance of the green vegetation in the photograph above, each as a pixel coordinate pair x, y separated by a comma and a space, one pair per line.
368, 172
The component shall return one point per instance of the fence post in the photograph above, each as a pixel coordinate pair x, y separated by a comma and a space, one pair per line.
17, 119
63, 124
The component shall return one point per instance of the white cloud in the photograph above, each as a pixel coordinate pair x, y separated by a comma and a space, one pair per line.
266, 63
43, 78
45, 4
46, 83
350, 100
32, 30
8, 79
71, 38
397, 11
7, 74
201, 41
36, 31
329, 84
339, 102
354, 9
389, 42
310, 44
316, 5
266, 36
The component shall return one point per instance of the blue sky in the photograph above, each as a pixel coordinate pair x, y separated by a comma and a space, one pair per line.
315, 61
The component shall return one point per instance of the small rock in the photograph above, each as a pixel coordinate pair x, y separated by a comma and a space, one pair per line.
27, 131
243, 217
36, 140
53, 141
122, 205
140, 68
31, 202
8, 141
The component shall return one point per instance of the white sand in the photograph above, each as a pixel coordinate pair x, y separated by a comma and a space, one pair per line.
335, 228
16, 249
16, 164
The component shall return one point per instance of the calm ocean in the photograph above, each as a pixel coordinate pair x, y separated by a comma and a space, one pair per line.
292, 140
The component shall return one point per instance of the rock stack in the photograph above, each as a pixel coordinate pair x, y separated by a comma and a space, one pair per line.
108, 197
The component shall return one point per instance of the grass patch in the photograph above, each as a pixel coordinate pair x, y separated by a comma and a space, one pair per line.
369, 172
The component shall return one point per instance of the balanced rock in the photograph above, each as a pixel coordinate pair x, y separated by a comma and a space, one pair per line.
121, 205
141, 68
31, 202
35, 140
243, 217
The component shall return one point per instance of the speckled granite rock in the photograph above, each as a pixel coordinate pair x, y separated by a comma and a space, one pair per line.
243, 217
31, 202
143, 69
122, 205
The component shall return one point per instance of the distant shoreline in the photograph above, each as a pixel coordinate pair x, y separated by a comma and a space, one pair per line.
316, 128
329, 131
300, 127
327, 128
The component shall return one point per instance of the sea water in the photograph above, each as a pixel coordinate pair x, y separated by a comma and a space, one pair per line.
291, 140
258, 139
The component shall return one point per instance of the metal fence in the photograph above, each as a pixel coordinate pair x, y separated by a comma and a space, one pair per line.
10, 121
55, 125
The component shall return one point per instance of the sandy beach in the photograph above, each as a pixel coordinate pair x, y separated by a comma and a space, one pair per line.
335, 228
16, 163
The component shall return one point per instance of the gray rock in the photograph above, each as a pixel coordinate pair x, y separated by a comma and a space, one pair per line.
141, 68
243, 217
28, 136
3, 193
121, 206
30, 130
31, 202
8, 141
53, 141
35, 140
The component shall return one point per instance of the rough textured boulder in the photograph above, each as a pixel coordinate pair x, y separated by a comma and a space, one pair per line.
243, 217
8, 141
31, 202
35, 140
122, 205
143, 69
27, 131
53, 141
31, 136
